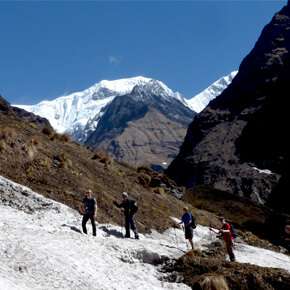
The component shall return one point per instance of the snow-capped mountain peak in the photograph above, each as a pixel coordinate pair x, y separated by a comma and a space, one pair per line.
201, 100
75, 109
79, 113
73, 112
157, 88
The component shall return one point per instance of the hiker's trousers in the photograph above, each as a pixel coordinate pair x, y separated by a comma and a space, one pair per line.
130, 223
87, 217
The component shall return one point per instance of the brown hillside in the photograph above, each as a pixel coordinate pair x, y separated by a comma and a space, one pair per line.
31, 153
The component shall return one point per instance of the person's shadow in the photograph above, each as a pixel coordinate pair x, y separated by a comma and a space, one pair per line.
112, 232
73, 228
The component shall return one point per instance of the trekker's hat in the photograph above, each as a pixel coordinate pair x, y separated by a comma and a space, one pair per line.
124, 194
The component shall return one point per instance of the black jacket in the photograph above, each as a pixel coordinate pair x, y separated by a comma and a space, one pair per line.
130, 206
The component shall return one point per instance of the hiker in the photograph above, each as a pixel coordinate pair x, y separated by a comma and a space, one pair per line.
189, 223
89, 211
226, 233
130, 208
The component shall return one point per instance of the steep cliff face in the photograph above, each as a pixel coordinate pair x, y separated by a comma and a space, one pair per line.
239, 143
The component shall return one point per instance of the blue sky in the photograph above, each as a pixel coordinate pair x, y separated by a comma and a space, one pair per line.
48, 49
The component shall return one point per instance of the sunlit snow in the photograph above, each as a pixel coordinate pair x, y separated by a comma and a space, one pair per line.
201, 100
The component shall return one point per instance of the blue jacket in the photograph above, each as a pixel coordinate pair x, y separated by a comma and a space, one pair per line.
186, 218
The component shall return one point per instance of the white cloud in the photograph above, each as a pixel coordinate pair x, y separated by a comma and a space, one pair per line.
114, 59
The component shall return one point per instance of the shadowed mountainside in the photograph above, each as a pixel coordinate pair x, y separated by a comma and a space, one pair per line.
239, 143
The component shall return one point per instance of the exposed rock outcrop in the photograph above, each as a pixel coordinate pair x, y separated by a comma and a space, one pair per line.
239, 143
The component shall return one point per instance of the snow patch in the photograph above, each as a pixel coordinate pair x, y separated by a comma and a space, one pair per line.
263, 171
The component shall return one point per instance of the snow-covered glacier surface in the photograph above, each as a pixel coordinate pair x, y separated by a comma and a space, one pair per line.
41, 247
201, 100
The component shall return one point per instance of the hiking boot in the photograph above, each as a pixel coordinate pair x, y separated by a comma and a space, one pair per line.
137, 237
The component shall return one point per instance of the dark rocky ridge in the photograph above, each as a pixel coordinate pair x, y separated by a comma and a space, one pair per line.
145, 120
5, 107
246, 126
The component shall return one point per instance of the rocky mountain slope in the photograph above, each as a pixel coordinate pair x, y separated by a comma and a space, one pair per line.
239, 143
143, 127
83, 115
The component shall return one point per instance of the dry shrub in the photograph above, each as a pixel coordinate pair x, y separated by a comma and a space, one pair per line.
46, 162
31, 152
8, 136
34, 141
62, 161
144, 169
64, 138
3, 146
33, 125
144, 179
159, 190
103, 157
47, 131
29, 172
60, 137
7, 133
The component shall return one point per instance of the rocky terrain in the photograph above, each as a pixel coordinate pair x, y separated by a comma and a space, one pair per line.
239, 143
143, 127
195, 266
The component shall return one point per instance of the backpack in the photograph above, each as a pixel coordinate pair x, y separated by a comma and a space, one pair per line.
193, 222
134, 207
233, 231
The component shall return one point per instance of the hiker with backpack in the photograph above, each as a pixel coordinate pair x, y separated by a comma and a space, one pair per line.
130, 208
188, 221
89, 211
228, 234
